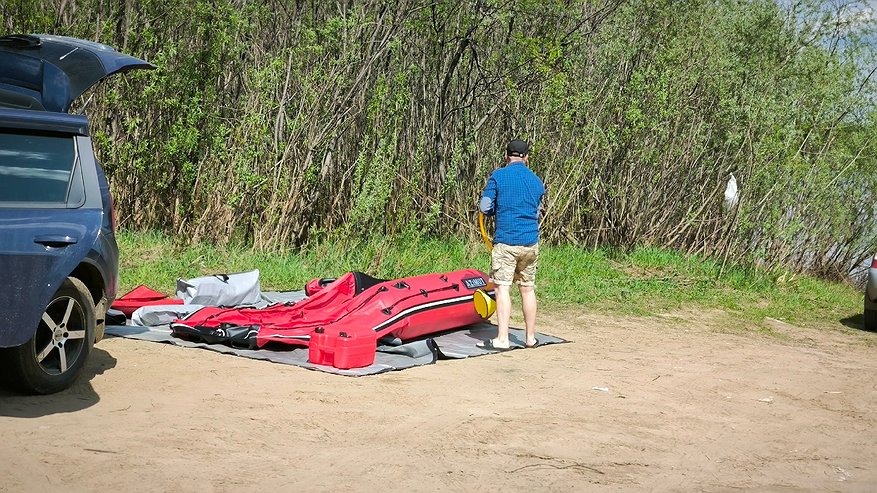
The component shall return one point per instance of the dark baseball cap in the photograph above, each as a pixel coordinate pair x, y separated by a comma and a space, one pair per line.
517, 148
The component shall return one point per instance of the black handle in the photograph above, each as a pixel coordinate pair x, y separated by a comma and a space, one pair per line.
56, 241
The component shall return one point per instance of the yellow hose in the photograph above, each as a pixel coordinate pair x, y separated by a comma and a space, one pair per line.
485, 305
484, 232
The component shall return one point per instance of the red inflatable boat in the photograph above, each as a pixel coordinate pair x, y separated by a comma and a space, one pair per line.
348, 314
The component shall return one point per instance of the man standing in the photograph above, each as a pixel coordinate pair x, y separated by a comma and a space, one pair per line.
513, 194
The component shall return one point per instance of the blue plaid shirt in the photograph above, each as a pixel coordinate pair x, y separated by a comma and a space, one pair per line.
513, 194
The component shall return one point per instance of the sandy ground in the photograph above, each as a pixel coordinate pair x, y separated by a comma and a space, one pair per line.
682, 402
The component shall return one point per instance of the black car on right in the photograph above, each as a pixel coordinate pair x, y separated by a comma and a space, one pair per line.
870, 314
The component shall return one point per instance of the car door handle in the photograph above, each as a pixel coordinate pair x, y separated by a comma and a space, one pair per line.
56, 241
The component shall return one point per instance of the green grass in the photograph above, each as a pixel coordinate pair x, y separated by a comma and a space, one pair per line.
643, 282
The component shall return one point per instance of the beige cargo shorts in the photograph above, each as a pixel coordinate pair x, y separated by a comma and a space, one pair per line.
514, 264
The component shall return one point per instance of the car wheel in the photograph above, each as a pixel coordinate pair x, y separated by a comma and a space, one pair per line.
870, 320
52, 359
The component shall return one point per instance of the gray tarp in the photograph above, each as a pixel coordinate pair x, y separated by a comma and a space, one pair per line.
456, 344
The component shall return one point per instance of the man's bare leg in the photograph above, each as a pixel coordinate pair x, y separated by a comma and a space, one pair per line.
528, 304
503, 314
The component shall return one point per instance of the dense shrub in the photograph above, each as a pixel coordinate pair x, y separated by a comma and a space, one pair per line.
277, 122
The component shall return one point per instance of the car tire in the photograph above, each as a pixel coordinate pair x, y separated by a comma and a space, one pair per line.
870, 320
52, 359
100, 315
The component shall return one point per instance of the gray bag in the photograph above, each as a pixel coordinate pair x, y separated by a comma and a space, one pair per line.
241, 288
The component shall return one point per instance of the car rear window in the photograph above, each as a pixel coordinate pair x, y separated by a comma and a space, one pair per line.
36, 168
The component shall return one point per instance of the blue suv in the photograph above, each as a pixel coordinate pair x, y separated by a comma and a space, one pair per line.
59, 262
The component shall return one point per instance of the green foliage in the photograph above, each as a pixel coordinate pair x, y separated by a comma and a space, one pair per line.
645, 281
282, 124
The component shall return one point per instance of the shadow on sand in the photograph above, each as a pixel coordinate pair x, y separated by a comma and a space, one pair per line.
856, 321
79, 396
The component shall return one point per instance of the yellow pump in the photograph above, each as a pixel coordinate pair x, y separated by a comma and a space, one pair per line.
485, 305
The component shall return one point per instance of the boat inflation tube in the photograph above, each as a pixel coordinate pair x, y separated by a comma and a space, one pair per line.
484, 232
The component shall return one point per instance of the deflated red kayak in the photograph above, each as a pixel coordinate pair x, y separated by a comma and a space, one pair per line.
356, 305
289, 323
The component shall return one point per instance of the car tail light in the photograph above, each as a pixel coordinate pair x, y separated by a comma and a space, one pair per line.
874, 262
